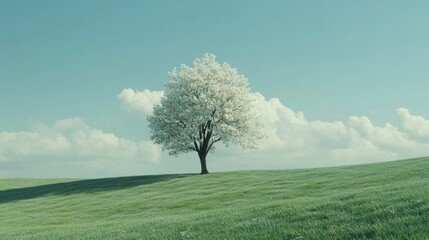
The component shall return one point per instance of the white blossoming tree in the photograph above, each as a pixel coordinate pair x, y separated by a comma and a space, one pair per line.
203, 105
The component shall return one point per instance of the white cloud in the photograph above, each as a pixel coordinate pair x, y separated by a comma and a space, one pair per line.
134, 101
416, 125
26, 144
72, 141
355, 141
70, 147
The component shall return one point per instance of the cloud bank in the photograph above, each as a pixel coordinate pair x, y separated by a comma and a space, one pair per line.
72, 148
354, 141
72, 143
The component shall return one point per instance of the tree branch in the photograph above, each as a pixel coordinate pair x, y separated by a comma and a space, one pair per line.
196, 146
193, 149
214, 141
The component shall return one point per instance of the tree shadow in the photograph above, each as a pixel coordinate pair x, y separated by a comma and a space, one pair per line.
83, 186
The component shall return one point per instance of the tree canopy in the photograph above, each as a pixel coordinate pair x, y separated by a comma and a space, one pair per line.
202, 105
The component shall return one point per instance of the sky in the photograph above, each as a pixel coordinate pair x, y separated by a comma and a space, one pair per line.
337, 82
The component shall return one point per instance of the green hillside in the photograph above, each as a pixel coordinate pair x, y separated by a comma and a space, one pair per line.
377, 201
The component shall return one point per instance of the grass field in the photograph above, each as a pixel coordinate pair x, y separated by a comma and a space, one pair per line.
377, 201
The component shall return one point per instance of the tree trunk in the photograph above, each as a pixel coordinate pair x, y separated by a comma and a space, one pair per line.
203, 164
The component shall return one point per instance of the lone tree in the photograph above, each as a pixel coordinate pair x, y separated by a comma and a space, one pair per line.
203, 105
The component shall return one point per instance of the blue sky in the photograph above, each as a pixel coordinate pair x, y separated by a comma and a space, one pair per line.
328, 59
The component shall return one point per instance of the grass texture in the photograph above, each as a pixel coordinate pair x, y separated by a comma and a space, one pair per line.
374, 201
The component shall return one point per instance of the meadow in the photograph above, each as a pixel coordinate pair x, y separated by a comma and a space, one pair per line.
373, 201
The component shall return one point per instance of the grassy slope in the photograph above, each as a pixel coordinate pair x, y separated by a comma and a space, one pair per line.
378, 201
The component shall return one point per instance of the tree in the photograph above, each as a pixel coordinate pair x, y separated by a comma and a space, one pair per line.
203, 105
